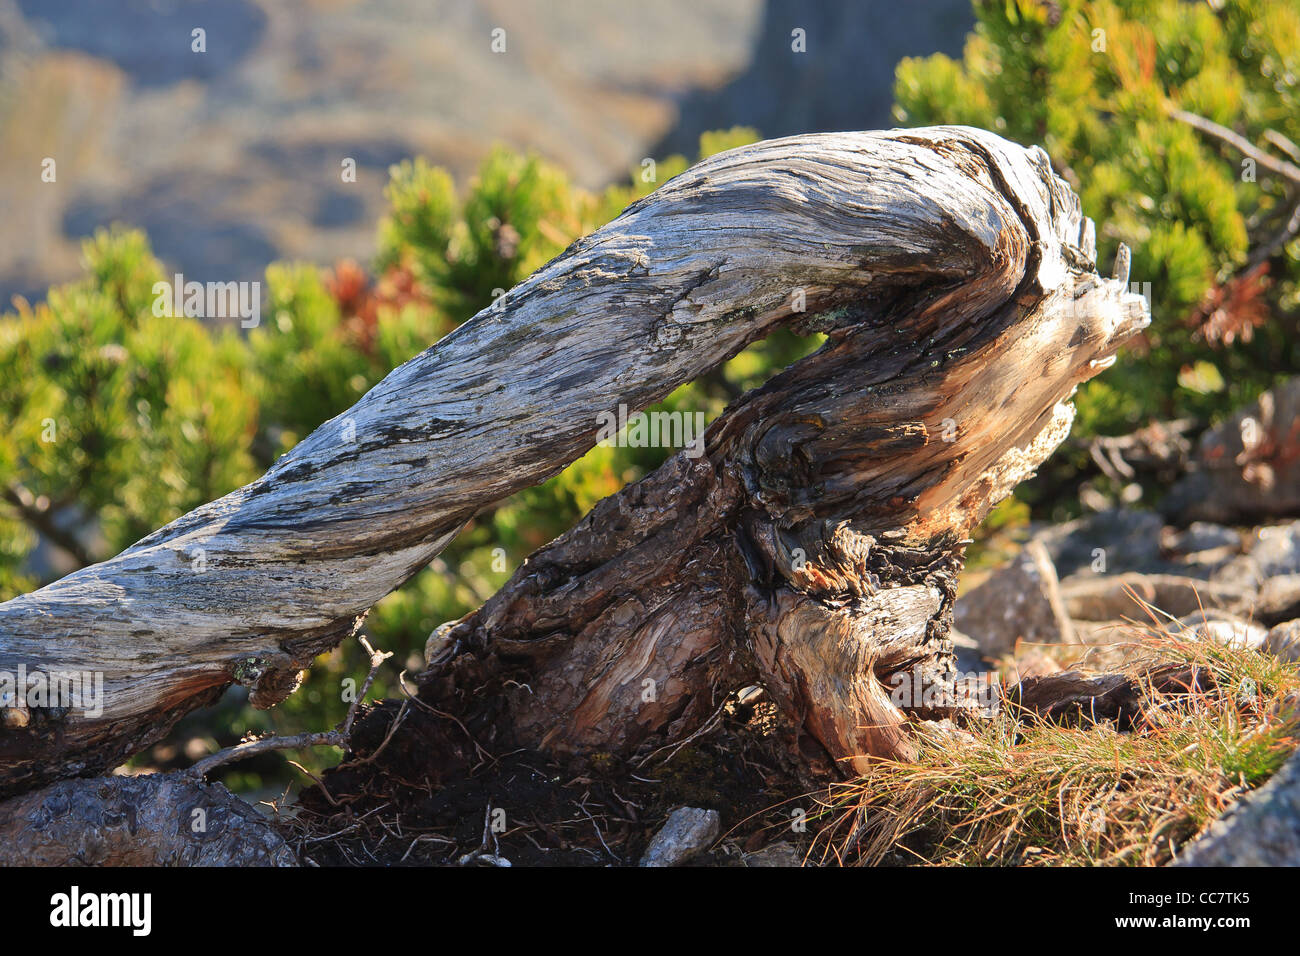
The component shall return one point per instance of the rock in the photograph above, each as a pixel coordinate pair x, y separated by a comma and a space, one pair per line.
1107, 598
1263, 829
1221, 628
778, 854
1124, 539
1272, 551
1106, 646
966, 652
1199, 537
1019, 601
687, 832
1248, 468
1202, 548
1284, 641
1277, 549
144, 820
1101, 633
1279, 599
1031, 664
975, 683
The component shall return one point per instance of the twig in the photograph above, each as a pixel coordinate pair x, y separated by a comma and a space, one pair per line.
1282, 144
376, 659
703, 729
392, 729
484, 754
316, 780
1287, 170
42, 520
1274, 245
251, 748
595, 826
428, 836
482, 854
338, 737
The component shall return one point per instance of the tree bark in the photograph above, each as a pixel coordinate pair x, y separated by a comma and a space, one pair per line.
813, 547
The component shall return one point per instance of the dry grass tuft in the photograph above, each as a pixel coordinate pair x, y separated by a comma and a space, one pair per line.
1024, 792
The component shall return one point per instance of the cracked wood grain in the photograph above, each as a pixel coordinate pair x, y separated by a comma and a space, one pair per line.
954, 275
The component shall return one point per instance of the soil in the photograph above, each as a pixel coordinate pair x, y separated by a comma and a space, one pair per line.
430, 796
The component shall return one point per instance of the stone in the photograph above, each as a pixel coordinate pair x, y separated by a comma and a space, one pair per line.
141, 820
1107, 542
1283, 641
966, 652
1272, 551
1018, 602
1279, 599
1262, 829
1199, 537
1248, 468
1108, 598
688, 832
1031, 664
1221, 628
1276, 550
778, 854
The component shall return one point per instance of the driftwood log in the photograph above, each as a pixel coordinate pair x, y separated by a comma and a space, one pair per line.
812, 548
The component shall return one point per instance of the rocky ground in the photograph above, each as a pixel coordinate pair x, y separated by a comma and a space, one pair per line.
1075, 592
1101, 635
1218, 565
1220, 561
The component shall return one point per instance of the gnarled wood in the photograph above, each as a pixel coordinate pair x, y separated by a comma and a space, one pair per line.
953, 273
814, 547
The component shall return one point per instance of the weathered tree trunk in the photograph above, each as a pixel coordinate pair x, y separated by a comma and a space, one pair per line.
813, 547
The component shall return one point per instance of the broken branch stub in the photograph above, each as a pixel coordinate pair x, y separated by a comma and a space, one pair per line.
952, 272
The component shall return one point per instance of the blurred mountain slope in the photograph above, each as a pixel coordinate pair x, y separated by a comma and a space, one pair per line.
231, 158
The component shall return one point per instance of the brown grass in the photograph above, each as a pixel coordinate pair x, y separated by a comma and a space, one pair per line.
1021, 792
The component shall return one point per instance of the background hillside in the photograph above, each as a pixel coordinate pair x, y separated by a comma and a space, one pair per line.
230, 159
